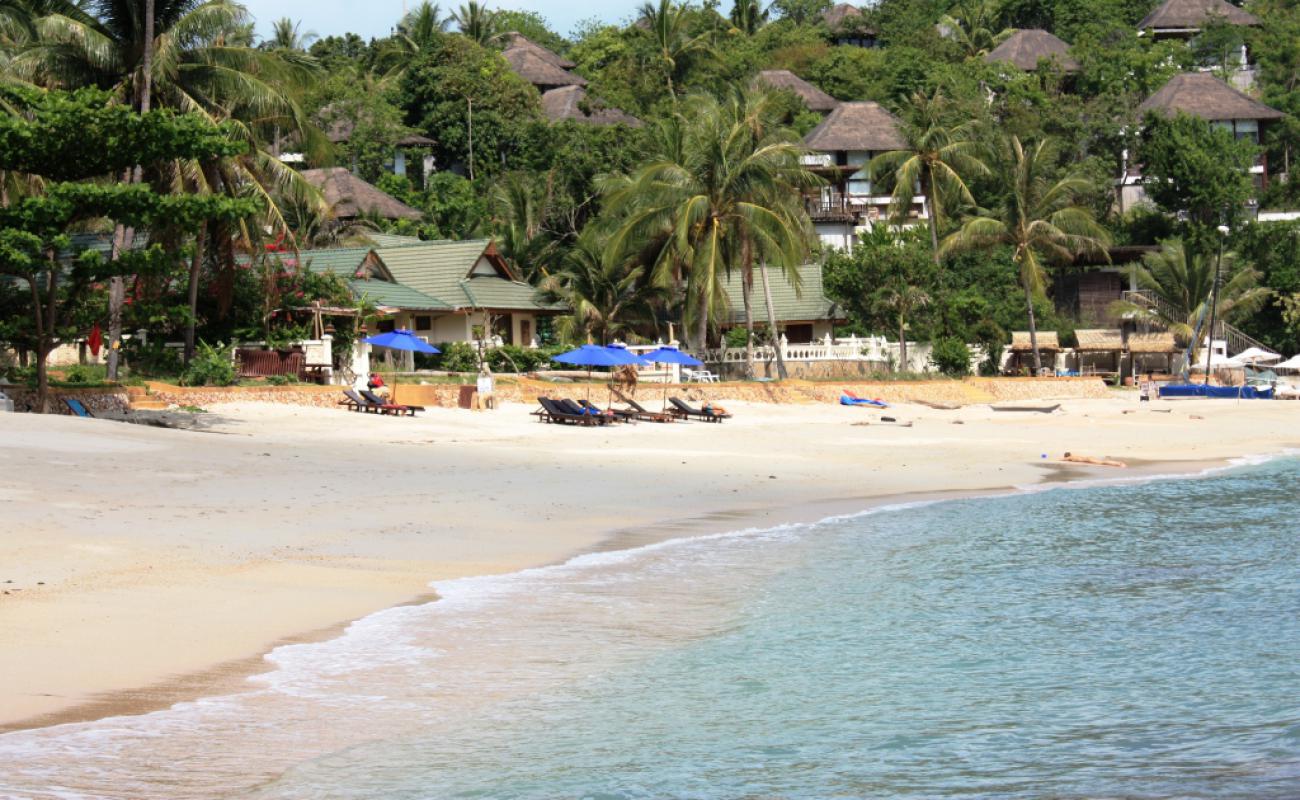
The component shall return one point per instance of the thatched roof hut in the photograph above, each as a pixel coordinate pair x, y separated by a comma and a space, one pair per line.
1024, 49
573, 103
340, 129
350, 197
1192, 15
1162, 342
516, 40
1203, 95
1048, 342
857, 126
815, 99
534, 68
836, 14
1099, 340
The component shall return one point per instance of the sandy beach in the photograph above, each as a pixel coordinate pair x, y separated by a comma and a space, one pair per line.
142, 565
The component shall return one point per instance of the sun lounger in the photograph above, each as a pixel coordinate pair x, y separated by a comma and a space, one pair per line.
77, 408
619, 415
554, 412
685, 411
355, 402
389, 408
649, 416
575, 408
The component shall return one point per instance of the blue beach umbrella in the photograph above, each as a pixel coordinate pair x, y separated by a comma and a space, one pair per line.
671, 355
592, 355
401, 340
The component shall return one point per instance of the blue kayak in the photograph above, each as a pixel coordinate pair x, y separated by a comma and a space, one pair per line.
1221, 392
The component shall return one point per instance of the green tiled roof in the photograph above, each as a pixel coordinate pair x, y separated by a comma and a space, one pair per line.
439, 269
395, 295
391, 239
342, 261
809, 303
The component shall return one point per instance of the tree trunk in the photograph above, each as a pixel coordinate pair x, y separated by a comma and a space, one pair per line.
702, 322
116, 297
927, 191
747, 295
902, 343
771, 324
196, 267
1033, 332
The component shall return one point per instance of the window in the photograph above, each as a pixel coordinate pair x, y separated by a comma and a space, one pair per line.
860, 181
424, 322
387, 325
1246, 129
799, 334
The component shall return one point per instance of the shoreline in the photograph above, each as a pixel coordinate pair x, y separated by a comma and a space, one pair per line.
284, 580
232, 677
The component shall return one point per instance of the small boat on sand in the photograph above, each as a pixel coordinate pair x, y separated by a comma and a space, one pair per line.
1041, 408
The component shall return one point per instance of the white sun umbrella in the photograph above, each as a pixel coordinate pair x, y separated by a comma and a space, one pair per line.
1218, 361
1257, 355
1292, 364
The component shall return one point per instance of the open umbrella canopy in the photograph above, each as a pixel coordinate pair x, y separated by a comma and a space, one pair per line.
592, 355
1257, 355
1218, 361
671, 355
402, 340
1292, 364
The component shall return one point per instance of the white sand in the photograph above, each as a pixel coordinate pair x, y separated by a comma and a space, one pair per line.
134, 556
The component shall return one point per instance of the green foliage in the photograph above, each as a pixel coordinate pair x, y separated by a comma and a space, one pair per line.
212, 365
800, 12
951, 356
281, 380
84, 373
437, 92
375, 122
457, 357
1197, 168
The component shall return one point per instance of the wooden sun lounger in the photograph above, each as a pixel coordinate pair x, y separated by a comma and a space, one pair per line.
618, 414
389, 408
576, 408
649, 416
355, 402
685, 411
554, 412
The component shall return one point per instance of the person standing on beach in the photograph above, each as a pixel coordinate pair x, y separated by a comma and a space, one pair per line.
1144, 389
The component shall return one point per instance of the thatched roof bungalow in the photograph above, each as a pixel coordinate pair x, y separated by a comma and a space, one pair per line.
1099, 340
540, 66
350, 197
1185, 18
1048, 342
813, 98
863, 126
1026, 49
574, 104
1203, 95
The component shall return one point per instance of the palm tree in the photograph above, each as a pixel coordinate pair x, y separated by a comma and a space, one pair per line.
725, 198
287, 35
519, 209
748, 16
1039, 218
667, 26
972, 25
476, 21
415, 32
607, 288
897, 299
1181, 283
939, 158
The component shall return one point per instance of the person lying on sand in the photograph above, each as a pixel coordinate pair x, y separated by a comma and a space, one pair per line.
1075, 458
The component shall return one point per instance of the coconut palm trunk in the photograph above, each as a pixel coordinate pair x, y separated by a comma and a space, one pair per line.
932, 209
1033, 331
781, 371
196, 267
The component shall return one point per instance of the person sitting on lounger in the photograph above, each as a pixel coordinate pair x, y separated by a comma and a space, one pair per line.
376, 385
1075, 458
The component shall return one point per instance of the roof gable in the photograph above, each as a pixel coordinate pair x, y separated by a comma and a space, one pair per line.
1203, 95
815, 99
1194, 14
1024, 49
530, 66
862, 125
803, 303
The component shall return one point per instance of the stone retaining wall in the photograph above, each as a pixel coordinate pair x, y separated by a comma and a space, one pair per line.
110, 399
294, 394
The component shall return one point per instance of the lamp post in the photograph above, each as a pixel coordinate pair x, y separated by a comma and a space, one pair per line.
1224, 230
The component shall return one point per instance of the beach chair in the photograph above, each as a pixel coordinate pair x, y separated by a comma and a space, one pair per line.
619, 414
554, 412
699, 375
77, 408
355, 402
644, 414
574, 408
389, 408
685, 411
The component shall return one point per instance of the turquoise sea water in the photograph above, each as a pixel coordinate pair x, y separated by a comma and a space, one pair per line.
1137, 641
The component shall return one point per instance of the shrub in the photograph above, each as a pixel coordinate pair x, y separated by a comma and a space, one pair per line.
951, 356
511, 358
212, 365
458, 357
84, 373
281, 380
152, 359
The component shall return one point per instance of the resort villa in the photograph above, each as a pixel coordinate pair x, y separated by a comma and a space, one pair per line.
1201, 94
1029, 49
843, 146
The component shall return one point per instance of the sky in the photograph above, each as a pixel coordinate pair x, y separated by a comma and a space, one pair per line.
373, 18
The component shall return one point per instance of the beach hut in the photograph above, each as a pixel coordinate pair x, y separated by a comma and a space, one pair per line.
350, 197
1022, 352
1157, 347
813, 98
1100, 351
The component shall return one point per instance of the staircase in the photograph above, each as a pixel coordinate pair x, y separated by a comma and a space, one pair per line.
137, 399
1236, 340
